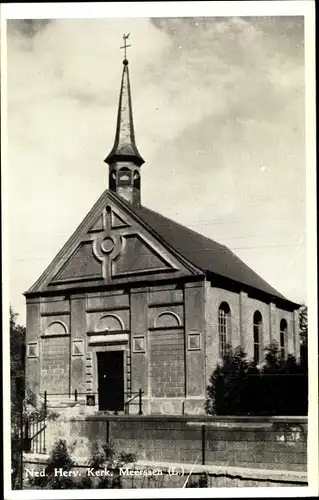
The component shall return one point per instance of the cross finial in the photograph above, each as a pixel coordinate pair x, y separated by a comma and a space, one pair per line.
125, 37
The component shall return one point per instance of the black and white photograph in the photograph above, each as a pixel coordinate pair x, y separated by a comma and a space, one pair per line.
159, 250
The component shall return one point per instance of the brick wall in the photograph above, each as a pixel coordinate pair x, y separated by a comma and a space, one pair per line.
265, 443
167, 363
33, 332
242, 309
55, 364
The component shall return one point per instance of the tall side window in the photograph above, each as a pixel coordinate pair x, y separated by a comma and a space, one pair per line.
257, 331
223, 327
283, 336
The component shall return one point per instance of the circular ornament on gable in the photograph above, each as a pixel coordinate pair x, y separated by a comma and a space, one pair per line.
107, 245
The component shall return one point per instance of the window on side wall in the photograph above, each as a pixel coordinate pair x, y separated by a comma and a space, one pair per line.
283, 336
223, 327
257, 332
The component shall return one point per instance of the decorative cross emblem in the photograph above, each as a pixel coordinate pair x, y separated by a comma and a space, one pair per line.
125, 37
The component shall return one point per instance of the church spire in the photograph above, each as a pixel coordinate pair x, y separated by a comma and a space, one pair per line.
124, 159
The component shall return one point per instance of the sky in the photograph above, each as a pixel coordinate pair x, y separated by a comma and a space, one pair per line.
218, 109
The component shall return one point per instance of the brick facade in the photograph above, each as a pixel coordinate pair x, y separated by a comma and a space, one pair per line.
167, 367
55, 364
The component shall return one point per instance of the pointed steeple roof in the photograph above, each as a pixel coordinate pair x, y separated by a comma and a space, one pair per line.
124, 148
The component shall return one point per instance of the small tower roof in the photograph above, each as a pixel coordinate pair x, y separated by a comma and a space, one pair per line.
124, 148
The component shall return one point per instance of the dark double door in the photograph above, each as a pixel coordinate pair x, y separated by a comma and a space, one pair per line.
111, 380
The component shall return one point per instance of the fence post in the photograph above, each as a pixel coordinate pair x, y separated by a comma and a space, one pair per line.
45, 403
26, 442
75, 395
21, 446
107, 431
140, 412
203, 444
44, 447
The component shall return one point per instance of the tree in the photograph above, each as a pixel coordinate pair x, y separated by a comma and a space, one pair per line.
17, 385
303, 332
17, 363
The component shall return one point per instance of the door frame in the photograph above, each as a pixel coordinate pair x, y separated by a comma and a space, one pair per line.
111, 368
108, 348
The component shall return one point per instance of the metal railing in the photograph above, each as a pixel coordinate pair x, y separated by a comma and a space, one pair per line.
34, 435
34, 427
138, 395
132, 398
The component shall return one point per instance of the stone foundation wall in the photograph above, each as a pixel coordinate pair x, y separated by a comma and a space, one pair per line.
278, 443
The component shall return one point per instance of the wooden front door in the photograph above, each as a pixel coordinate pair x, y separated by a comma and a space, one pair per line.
111, 380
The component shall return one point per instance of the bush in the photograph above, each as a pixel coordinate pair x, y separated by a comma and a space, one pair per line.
239, 387
232, 385
201, 482
284, 384
102, 455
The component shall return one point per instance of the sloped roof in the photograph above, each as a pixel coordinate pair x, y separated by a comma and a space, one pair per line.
204, 253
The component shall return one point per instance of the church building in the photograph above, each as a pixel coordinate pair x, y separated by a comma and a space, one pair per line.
135, 301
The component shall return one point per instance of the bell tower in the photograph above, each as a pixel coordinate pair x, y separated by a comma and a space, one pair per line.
124, 159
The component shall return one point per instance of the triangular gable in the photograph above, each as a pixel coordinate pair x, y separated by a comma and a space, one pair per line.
112, 245
138, 257
81, 265
98, 225
117, 221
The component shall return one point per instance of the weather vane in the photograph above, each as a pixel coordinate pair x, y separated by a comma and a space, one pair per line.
125, 37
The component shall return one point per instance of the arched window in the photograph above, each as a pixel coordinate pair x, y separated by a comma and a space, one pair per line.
167, 319
257, 328
109, 322
283, 335
125, 176
112, 180
56, 328
223, 327
136, 180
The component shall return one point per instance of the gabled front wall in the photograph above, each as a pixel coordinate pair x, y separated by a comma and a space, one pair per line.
242, 309
115, 286
169, 368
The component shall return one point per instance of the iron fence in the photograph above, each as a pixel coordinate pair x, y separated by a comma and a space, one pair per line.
131, 398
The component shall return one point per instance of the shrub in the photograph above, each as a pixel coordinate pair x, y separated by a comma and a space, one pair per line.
231, 385
284, 384
102, 455
201, 482
59, 458
239, 387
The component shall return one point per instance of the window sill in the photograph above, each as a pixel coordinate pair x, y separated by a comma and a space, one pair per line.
50, 336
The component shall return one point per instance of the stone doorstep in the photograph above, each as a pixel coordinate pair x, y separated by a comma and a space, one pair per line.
284, 476
62, 403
